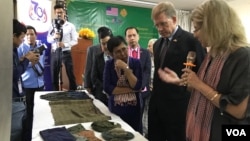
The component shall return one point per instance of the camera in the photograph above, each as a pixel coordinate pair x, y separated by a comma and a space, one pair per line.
57, 23
57, 26
40, 49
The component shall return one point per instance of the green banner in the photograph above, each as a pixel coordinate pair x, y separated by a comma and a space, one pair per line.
117, 17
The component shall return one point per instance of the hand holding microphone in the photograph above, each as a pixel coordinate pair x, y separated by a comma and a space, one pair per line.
189, 64
190, 60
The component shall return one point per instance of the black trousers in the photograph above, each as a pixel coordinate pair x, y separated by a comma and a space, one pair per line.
28, 121
167, 119
58, 57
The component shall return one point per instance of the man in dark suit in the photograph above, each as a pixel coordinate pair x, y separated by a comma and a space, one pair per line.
92, 51
98, 66
168, 102
136, 51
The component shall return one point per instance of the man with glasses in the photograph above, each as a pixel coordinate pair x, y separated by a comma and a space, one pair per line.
168, 103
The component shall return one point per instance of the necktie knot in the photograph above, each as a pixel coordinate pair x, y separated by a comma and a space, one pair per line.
134, 54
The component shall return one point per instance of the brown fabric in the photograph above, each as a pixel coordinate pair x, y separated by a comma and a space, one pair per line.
126, 98
90, 135
76, 111
200, 109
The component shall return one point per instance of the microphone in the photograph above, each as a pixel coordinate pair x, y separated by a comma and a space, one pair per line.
190, 60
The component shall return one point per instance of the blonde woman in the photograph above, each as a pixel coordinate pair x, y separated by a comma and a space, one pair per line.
221, 88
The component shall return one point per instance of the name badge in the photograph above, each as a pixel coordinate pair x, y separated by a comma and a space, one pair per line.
20, 88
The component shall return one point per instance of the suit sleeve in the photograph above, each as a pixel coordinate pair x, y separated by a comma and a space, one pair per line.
94, 74
107, 76
146, 70
88, 68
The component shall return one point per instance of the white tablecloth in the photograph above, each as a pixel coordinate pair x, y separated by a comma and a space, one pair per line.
43, 119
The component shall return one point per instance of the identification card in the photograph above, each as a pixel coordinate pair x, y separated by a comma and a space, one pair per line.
20, 88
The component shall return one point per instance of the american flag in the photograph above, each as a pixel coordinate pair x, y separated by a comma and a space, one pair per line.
112, 11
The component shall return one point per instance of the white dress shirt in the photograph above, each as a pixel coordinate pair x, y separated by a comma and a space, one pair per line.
69, 36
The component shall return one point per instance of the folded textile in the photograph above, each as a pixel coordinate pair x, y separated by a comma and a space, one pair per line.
67, 95
102, 126
75, 129
90, 135
77, 111
117, 134
57, 134
80, 138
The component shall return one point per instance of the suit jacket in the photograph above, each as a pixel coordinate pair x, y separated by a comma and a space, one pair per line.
98, 68
91, 52
97, 78
181, 43
146, 70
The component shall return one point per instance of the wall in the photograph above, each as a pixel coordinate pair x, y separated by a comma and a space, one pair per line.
117, 17
6, 45
242, 8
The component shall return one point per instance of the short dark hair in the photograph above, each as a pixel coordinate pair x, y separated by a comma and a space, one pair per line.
115, 42
58, 6
31, 27
131, 27
18, 28
104, 32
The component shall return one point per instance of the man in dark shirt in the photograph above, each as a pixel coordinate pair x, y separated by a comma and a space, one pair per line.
19, 66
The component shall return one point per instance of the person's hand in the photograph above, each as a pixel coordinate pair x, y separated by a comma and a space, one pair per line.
60, 44
89, 90
32, 57
169, 76
190, 78
119, 64
57, 36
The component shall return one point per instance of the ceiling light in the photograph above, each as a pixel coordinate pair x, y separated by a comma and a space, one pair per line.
140, 2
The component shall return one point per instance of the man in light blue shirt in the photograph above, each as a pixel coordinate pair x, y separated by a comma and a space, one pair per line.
32, 78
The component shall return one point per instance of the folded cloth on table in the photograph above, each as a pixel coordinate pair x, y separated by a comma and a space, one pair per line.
67, 95
57, 134
102, 126
117, 134
76, 129
90, 135
80, 138
77, 111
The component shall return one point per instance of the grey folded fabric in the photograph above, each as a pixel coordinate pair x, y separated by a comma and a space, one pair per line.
102, 126
76, 129
117, 134
65, 95
76, 111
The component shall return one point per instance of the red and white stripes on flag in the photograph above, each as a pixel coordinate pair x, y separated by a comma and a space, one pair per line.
112, 11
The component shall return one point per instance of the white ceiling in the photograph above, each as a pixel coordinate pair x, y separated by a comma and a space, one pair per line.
179, 4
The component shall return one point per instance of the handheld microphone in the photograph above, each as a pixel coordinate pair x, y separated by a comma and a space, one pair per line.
190, 60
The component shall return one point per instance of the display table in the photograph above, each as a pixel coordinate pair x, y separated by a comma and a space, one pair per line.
43, 119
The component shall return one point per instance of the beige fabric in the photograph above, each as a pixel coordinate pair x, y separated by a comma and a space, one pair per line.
75, 111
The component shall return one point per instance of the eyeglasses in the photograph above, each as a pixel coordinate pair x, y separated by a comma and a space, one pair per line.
161, 24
